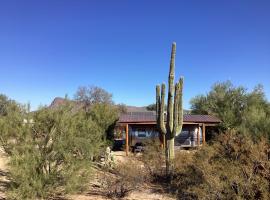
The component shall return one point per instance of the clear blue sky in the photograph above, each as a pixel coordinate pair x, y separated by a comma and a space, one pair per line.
49, 48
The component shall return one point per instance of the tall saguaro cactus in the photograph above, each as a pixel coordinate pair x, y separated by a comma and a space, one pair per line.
173, 124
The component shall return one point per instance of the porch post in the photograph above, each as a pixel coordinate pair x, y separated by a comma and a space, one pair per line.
127, 139
203, 133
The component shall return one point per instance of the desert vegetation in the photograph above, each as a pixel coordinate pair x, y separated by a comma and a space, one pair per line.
52, 150
62, 149
240, 110
233, 167
236, 165
55, 151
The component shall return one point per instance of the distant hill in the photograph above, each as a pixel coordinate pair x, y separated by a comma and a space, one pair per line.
58, 101
136, 109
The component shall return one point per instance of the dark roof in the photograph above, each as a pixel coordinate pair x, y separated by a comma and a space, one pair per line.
201, 118
138, 117
151, 117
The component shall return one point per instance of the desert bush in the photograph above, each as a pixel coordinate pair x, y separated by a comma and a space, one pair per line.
105, 115
12, 116
153, 158
52, 149
53, 155
234, 167
122, 180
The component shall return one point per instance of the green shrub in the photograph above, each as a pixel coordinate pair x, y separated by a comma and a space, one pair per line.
54, 156
238, 109
12, 128
234, 167
153, 158
52, 150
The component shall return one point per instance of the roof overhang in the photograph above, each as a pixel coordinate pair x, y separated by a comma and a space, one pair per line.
154, 123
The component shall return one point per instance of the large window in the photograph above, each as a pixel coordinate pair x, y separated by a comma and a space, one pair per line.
144, 132
141, 133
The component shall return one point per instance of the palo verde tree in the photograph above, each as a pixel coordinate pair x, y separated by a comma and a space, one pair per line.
240, 110
53, 156
174, 122
52, 150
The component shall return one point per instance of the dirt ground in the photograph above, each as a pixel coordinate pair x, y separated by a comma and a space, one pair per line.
3, 173
136, 195
144, 193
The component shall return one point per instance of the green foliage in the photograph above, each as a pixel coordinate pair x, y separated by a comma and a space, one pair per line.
235, 167
122, 108
52, 150
6, 105
99, 105
256, 115
151, 107
104, 115
12, 117
54, 156
237, 108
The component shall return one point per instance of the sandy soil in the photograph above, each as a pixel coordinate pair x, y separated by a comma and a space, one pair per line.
120, 157
145, 193
136, 195
3, 172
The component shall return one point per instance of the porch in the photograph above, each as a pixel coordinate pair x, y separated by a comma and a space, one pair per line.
137, 127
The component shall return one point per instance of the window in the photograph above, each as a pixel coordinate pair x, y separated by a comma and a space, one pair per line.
141, 133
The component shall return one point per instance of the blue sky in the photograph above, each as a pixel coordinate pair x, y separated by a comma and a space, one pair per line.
49, 48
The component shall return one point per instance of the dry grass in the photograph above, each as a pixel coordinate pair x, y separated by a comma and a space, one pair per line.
234, 167
128, 181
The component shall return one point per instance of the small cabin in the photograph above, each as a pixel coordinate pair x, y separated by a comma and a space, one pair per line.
136, 127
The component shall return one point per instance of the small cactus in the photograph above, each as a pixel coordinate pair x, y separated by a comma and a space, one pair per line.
173, 125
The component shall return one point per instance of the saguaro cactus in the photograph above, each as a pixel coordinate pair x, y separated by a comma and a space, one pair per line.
173, 125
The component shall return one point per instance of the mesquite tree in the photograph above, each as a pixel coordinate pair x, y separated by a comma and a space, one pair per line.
173, 125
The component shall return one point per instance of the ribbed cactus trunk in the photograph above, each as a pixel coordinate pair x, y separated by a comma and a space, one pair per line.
174, 118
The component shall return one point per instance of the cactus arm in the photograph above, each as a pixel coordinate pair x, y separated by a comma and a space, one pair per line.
161, 110
176, 110
171, 90
157, 103
180, 107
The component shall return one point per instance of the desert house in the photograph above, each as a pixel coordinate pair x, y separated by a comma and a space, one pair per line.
138, 125
135, 127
